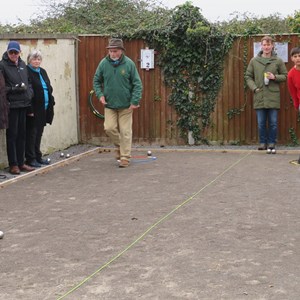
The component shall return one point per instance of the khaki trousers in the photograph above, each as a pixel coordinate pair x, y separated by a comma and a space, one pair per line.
118, 126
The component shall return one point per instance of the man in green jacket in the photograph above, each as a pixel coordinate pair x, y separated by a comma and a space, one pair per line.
263, 76
118, 87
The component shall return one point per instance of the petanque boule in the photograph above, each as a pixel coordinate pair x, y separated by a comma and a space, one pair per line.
149, 153
62, 154
68, 155
1, 234
49, 160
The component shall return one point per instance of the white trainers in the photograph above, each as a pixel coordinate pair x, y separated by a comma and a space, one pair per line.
271, 150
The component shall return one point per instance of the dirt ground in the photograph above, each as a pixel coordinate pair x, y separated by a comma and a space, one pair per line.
206, 225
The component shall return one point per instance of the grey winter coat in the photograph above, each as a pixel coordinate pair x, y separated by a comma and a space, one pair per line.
267, 96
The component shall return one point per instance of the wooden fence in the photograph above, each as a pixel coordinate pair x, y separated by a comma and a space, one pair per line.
155, 121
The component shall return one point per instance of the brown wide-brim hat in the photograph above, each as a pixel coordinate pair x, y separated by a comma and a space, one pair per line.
115, 43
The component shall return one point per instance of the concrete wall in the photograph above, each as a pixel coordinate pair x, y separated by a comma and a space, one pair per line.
59, 60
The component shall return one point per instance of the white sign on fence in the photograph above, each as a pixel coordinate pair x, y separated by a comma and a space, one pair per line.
147, 59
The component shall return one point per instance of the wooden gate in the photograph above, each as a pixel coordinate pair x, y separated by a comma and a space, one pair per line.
234, 120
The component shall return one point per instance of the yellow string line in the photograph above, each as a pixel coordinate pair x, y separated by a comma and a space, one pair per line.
294, 162
151, 228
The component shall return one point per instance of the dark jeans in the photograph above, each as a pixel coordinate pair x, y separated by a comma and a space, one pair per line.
33, 140
15, 136
267, 134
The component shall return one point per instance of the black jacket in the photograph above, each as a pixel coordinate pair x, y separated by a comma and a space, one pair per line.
38, 101
16, 75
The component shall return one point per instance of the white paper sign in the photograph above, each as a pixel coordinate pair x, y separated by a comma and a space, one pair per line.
147, 59
280, 48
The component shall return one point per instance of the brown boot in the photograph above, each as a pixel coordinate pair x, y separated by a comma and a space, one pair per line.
26, 168
14, 170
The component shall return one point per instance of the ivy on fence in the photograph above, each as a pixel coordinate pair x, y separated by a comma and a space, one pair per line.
191, 55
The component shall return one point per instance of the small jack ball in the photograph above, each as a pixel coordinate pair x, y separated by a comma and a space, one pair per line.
62, 154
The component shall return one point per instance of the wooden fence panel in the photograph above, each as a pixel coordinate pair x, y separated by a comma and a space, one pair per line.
155, 121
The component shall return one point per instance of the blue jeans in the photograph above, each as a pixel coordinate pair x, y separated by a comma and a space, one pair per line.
267, 134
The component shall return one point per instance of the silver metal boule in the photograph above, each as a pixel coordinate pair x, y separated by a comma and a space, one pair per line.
67, 155
1, 234
62, 154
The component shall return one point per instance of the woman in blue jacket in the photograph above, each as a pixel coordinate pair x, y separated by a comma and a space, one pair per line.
41, 110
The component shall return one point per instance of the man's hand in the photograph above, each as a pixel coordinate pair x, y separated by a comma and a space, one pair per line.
102, 100
132, 106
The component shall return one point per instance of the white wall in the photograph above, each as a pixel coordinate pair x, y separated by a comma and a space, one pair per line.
59, 60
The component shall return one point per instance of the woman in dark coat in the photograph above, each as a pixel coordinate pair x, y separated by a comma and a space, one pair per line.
18, 94
3, 114
41, 111
3, 104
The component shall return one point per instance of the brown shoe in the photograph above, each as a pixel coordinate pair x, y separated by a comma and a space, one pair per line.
124, 163
26, 168
14, 170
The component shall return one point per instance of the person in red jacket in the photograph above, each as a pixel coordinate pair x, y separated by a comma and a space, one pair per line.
294, 80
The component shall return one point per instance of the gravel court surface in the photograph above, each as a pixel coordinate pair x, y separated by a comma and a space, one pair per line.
234, 233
